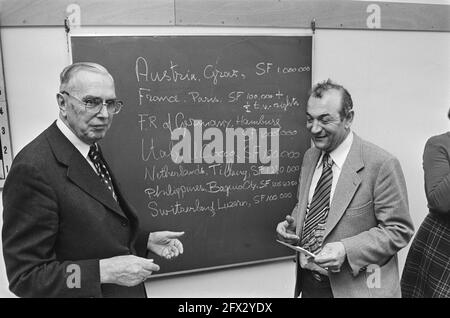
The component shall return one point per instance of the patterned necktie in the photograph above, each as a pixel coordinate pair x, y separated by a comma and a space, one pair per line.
97, 159
316, 217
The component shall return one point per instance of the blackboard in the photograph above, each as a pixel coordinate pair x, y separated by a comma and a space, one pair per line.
228, 210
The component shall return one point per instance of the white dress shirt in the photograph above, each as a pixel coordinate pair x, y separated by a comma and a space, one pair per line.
338, 155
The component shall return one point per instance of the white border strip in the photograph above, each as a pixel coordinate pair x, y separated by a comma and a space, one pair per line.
177, 30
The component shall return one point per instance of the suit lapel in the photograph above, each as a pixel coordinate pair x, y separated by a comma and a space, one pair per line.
347, 185
123, 201
81, 173
78, 169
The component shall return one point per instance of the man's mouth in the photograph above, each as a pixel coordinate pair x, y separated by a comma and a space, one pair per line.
98, 127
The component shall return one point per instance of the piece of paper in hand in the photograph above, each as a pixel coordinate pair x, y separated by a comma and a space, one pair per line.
297, 248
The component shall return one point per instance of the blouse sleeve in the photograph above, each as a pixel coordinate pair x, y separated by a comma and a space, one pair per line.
436, 167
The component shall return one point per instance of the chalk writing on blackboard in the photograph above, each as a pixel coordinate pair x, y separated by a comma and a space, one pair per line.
211, 138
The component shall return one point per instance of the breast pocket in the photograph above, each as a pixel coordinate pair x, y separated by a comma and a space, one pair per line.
359, 209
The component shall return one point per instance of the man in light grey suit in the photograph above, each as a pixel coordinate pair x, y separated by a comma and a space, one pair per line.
352, 209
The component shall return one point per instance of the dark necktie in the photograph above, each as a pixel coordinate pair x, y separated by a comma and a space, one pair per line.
97, 159
316, 217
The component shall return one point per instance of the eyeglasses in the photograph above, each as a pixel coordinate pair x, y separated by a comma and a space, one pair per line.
95, 104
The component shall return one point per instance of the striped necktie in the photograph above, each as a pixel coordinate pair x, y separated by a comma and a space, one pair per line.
316, 216
97, 159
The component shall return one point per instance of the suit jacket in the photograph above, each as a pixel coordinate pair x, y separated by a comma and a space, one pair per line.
368, 214
59, 220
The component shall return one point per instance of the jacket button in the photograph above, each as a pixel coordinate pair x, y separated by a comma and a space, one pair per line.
124, 224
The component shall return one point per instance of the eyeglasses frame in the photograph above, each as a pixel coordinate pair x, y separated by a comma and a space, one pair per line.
118, 103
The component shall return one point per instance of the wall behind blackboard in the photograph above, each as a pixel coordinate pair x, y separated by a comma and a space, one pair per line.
228, 211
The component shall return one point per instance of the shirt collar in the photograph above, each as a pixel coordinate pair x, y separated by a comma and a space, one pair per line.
81, 146
340, 153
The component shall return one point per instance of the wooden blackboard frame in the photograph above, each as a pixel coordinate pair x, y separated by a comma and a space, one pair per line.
255, 33
329, 14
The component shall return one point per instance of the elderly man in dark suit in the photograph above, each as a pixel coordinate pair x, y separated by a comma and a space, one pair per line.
68, 230
352, 209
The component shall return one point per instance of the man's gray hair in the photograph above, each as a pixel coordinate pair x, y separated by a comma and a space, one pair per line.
69, 71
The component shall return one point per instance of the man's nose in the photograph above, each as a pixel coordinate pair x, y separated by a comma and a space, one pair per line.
315, 128
103, 112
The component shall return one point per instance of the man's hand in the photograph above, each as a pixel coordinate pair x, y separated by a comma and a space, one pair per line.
286, 230
307, 262
331, 257
165, 244
126, 270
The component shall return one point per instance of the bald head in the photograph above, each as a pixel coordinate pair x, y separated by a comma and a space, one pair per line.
320, 89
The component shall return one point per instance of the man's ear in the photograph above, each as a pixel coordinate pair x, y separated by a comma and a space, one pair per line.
349, 119
61, 103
